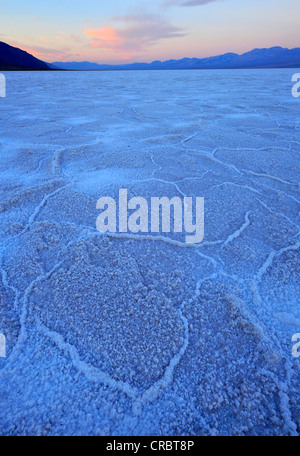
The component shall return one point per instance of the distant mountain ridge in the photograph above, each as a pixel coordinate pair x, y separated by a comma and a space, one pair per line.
275, 57
12, 58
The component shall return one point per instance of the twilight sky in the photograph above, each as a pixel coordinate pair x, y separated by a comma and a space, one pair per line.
114, 31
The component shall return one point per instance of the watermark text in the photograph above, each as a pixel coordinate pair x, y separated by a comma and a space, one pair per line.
296, 87
296, 347
2, 86
2, 346
162, 215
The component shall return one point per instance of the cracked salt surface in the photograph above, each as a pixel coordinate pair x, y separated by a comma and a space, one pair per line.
145, 335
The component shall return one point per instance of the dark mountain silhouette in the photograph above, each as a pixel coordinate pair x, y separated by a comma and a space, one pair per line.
275, 57
12, 58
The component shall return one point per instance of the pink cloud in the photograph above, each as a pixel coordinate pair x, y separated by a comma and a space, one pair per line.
105, 37
135, 34
46, 54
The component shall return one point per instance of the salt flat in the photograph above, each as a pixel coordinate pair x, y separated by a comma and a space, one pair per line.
125, 335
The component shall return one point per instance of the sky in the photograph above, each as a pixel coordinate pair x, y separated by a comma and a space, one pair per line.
125, 31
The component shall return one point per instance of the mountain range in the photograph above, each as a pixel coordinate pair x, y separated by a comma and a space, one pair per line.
275, 57
12, 58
